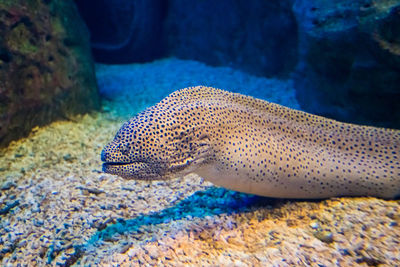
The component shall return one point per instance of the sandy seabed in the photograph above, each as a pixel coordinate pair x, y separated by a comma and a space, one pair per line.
58, 209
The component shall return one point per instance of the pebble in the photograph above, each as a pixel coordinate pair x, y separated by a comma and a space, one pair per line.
8, 185
238, 263
8, 207
314, 225
271, 251
38, 223
152, 250
67, 157
324, 235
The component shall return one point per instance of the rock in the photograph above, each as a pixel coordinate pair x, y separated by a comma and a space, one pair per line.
152, 250
255, 36
46, 69
324, 235
259, 37
8, 185
8, 206
314, 225
349, 60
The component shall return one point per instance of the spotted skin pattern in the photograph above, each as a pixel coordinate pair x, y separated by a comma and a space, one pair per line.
253, 146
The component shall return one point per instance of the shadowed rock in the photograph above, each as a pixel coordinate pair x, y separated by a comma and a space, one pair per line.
46, 69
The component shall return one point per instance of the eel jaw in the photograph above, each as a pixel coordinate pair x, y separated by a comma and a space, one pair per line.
132, 170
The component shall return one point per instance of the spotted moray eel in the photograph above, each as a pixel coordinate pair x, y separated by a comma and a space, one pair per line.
253, 146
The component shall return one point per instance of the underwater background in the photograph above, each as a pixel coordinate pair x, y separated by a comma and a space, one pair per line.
72, 72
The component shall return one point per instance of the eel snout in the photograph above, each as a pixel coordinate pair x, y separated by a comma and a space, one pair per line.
120, 160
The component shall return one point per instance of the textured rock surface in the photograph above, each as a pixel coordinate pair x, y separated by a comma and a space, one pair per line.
46, 70
349, 59
257, 36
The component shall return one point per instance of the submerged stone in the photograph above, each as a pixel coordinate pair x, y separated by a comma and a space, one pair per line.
349, 60
46, 69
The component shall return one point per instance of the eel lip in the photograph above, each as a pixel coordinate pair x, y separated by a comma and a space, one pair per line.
109, 165
138, 170
117, 163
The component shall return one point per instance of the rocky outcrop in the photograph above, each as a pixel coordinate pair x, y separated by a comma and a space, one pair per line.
46, 69
349, 60
256, 36
259, 37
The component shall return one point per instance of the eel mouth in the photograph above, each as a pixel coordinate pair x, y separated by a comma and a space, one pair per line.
137, 170
116, 163
127, 170
113, 165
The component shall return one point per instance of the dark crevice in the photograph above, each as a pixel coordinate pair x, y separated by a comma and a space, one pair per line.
24, 20
5, 57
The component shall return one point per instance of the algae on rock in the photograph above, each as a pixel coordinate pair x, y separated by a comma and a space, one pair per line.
46, 68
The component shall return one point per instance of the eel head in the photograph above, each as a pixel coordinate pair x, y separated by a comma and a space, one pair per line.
157, 144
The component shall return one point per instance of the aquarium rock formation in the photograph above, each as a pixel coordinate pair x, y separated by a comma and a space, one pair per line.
259, 37
349, 60
46, 69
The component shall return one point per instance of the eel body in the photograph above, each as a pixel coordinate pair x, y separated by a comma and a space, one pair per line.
253, 146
